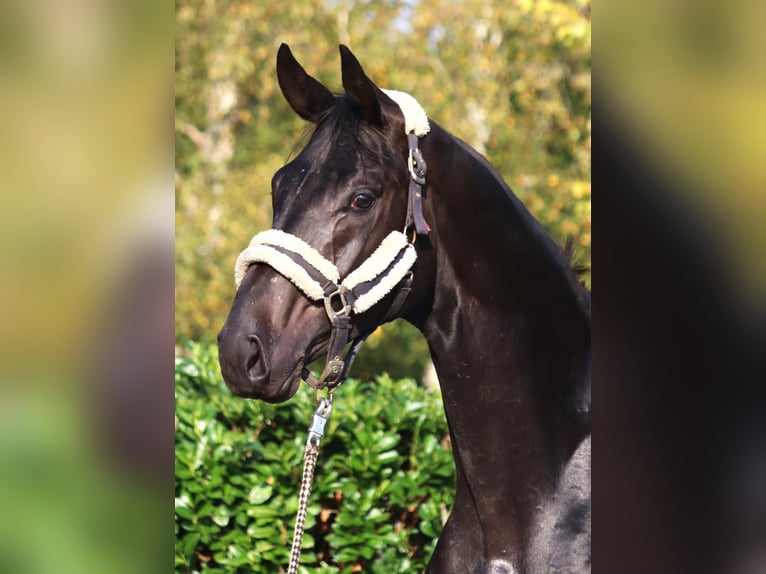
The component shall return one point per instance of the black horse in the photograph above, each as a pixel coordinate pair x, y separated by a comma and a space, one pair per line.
505, 317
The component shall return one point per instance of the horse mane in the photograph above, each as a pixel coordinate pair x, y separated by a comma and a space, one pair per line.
578, 269
565, 257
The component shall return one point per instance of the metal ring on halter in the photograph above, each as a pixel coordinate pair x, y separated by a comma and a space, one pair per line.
318, 399
414, 231
345, 309
417, 166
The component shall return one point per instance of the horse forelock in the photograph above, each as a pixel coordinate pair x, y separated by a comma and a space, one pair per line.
343, 140
342, 122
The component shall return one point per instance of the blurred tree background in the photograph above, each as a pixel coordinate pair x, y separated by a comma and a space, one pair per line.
512, 78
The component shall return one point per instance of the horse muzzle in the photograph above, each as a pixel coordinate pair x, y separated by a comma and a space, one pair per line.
246, 368
247, 365
263, 345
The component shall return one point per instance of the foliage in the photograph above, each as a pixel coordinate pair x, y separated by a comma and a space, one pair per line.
385, 476
510, 78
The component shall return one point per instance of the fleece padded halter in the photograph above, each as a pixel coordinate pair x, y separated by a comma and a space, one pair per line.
387, 269
318, 278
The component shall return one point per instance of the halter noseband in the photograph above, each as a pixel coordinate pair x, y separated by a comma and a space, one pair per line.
388, 268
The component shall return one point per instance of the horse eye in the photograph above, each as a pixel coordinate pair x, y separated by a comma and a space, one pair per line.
363, 201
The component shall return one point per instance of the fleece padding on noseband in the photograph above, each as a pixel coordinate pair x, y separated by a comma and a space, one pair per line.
394, 243
288, 255
370, 268
295, 244
415, 118
284, 264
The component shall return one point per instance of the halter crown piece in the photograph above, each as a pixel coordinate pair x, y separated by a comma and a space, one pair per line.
318, 278
415, 126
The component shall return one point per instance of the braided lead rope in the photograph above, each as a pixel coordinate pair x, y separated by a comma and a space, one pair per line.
316, 432
309, 463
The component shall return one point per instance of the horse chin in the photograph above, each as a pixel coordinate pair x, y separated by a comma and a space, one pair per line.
285, 389
316, 351
277, 389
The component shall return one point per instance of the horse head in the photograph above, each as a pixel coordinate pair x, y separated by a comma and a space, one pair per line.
335, 207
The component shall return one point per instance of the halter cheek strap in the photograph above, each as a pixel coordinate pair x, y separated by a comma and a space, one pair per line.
417, 168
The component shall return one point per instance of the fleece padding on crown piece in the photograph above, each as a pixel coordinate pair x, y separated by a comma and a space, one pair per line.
415, 118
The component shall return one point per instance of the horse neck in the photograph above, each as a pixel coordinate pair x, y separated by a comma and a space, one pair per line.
508, 334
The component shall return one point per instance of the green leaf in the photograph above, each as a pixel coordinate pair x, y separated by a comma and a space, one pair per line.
388, 456
263, 511
259, 532
259, 494
221, 516
190, 542
387, 442
346, 555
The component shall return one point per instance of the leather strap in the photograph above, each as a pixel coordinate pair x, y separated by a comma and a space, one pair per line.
337, 368
418, 169
341, 331
399, 299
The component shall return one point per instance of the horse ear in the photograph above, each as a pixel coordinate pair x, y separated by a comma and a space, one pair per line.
307, 96
360, 89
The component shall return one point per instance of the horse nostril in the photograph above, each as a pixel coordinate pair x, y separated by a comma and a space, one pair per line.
251, 362
256, 366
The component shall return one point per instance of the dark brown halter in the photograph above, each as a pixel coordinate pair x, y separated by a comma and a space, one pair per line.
338, 302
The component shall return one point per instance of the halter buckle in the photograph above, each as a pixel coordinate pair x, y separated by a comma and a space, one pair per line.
417, 166
345, 308
333, 371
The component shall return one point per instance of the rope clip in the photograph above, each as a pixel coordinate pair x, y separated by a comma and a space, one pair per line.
321, 414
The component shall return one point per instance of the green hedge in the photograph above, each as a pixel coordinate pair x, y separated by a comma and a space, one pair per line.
385, 476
